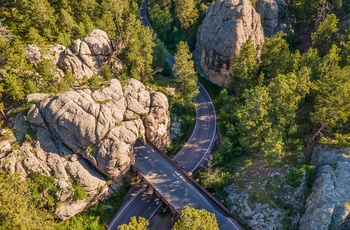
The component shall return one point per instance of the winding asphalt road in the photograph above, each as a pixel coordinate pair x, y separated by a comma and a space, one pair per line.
193, 154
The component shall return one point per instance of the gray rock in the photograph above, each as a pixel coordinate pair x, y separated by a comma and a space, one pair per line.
274, 16
83, 134
35, 97
84, 58
228, 24
158, 121
326, 206
268, 10
103, 125
19, 126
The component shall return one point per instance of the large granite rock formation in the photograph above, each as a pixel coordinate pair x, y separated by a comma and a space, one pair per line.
84, 57
268, 10
82, 135
274, 16
328, 206
227, 25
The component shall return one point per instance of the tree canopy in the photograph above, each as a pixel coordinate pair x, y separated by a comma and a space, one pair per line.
134, 224
194, 219
185, 73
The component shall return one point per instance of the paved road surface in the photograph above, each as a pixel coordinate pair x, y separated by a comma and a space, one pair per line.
191, 156
146, 207
201, 142
177, 189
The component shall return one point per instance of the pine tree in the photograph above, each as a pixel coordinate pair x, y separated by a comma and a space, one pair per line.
252, 118
196, 219
187, 13
332, 94
135, 224
139, 49
244, 69
276, 57
185, 73
323, 37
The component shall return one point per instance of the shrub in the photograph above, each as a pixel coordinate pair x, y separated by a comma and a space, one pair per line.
79, 192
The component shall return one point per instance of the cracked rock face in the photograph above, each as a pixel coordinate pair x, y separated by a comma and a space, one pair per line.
103, 125
327, 207
82, 135
84, 57
228, 24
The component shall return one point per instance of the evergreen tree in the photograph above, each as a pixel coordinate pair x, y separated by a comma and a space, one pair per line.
332, 94
159, 55
139, 49
17, 211
161, 17
185, 73
323, 37
187, 13
41, 15
244, 69
17, 70
196, 219
135, 224
253, 122
276, 57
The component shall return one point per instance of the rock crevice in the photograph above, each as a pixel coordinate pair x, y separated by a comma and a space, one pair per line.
328, 206
83, 136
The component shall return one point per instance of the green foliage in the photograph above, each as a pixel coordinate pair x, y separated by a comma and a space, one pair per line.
186, 13
305, 9
244, 69
98, 216
17, 209
139, 49
43, 190
79, 192
135, 224
159, 55
161, 17
196, 219
275, 56
323, 37
296, 175
252, 114
185, 73
332, 92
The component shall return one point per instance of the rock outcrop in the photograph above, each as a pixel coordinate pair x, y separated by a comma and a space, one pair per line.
84, 57
328, 206
228, 24
274, 16
268, 10
82, 135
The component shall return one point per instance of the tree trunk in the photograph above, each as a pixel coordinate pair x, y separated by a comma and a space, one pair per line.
310, 145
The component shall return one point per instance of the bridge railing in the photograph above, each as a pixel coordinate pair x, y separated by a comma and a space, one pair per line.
155, 190
201, 188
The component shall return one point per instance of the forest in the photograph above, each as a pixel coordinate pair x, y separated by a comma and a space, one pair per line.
288, 98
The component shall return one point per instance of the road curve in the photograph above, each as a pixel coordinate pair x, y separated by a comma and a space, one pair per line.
198, 148
192, 155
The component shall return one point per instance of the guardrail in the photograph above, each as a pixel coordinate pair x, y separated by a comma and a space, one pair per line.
192, 180
155, 190
202, 189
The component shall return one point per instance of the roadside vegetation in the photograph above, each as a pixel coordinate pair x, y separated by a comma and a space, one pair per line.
47, 22
278, 106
